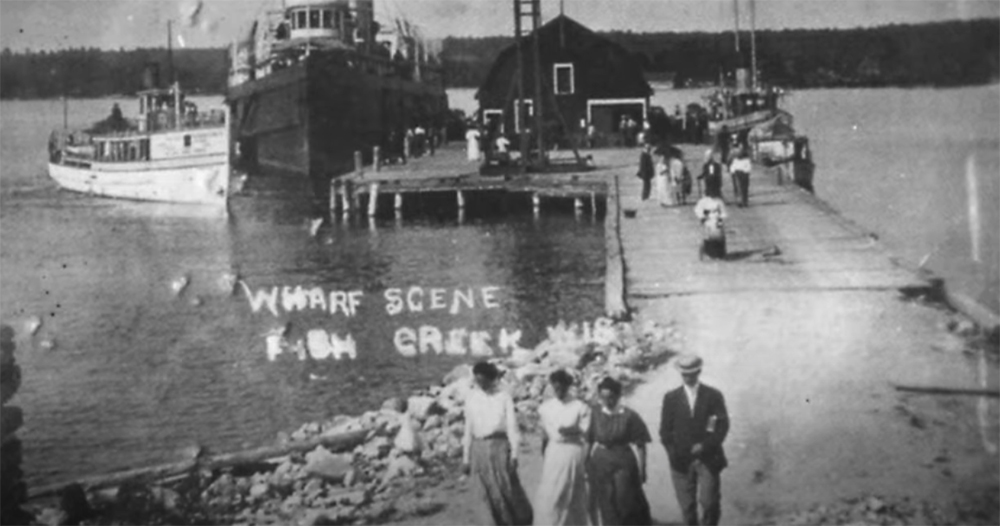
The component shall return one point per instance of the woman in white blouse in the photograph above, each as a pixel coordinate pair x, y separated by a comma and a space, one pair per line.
562, 497
490, 450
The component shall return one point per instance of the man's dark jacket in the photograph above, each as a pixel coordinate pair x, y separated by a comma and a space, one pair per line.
680, 430
645, 166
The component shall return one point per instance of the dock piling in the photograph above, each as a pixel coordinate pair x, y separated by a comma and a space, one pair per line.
593, 204
373, 200
334, 190
460, 196
376, 158
359, 167
536, 203
346, 198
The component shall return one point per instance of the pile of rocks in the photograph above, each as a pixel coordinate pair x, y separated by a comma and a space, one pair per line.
407, 438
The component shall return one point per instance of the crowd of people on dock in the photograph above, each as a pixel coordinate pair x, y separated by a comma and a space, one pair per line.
594, 457
662, 169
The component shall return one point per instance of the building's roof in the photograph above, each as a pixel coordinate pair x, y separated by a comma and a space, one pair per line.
574, 32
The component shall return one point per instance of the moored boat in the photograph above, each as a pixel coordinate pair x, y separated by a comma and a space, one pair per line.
320, 80
171, 152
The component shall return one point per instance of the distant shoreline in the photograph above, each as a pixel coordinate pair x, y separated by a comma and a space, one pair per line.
993, 82
940, 54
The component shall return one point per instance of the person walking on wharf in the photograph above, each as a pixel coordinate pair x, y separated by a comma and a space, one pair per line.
562, 497
740, 169
645, 169
616, 473
711, 211
693, 425
661, 169
711, 173
490, 451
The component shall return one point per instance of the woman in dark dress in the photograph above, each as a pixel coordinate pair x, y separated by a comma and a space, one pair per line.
616, 474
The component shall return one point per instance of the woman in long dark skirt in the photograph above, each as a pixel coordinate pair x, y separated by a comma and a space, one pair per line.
616, 473
490, 451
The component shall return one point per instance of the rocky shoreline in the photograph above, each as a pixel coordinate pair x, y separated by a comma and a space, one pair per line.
408, 444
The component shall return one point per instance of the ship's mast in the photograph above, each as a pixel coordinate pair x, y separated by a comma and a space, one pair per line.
753, 47
736, 18
170, 52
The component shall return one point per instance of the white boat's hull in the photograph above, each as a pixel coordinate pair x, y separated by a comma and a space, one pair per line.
206, 183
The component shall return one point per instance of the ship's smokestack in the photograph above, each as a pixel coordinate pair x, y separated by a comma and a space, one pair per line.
151, 76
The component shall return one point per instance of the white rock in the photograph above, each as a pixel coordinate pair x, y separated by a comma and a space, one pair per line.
401, 466
420, 406
407, 439
321, 463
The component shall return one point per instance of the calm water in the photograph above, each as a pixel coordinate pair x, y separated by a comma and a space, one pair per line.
138, 372
895, 161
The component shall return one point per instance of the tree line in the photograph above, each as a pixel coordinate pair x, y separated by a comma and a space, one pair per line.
949, 53
93, 72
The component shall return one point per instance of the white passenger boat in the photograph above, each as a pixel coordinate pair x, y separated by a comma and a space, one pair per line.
170, 153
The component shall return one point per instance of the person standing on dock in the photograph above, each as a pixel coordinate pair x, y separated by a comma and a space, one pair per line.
676, 167
740, 169
472, 143
502, 148
693, 425
490, 450
711, 173
661, 168
711, 211
645, 169
562, 497
723, 141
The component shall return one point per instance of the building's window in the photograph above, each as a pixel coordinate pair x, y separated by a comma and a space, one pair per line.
300, 19
187, 141
327, 19
493, 121
564, 83
314, 19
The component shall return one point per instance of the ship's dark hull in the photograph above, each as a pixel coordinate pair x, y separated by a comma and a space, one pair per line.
308, 119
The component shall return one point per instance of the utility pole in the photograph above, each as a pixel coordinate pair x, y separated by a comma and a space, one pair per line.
521, 113
536, 23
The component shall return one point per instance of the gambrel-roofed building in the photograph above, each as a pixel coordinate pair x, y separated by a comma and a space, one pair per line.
592, 80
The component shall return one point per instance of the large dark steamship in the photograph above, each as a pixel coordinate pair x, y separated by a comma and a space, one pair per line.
321, 79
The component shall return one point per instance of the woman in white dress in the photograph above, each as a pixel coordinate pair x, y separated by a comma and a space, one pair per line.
472, 143
661, 169
562, 497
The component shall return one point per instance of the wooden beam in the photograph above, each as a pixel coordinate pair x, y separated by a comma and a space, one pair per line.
335, 443
615, 305
943, 390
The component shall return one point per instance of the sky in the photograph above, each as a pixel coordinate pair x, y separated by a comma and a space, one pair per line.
113, 24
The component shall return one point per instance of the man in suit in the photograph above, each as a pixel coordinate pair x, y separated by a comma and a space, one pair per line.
693, 425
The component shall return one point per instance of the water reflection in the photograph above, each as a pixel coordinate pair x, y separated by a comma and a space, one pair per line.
156, 351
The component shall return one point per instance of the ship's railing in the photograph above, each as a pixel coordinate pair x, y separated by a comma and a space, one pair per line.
354, 59
159, 121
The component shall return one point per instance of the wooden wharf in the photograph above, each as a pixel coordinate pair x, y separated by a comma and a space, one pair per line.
449, 173
787, 239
